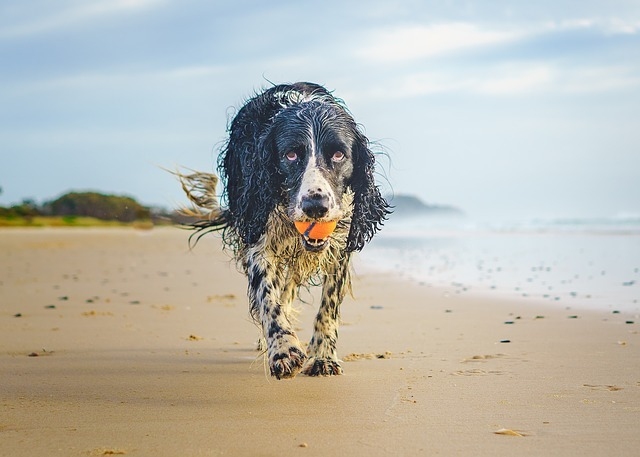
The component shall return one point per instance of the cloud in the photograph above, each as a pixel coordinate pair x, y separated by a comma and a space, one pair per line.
530, 64
599, 79
608, 26
556, 78
406, 43
504, 80
409, 42
131, 79
621, 26
516, 81
501, 80
79, 13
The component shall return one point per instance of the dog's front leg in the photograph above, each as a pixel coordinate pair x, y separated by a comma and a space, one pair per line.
284, 352
323, 357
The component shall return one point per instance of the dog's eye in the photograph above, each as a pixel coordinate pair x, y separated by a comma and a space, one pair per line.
291, 156
338, 156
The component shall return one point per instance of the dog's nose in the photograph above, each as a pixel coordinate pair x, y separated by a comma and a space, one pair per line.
315, 206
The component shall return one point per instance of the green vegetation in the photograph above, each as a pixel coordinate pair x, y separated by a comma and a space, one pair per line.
69, 221
99, 206
83, 209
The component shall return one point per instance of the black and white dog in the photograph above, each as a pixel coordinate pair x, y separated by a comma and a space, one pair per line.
294, 154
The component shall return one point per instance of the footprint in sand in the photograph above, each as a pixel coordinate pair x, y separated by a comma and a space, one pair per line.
477, 372
482, 358
610, 388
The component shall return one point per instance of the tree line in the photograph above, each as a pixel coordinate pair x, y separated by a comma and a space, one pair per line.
85, 204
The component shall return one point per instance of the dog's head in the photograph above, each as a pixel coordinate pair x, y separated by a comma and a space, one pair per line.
309, 155
313, 146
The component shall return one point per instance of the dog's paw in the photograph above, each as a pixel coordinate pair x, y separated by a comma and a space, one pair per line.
287, 358
322, 367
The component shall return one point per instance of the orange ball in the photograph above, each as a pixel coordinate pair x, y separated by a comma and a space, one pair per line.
319, 231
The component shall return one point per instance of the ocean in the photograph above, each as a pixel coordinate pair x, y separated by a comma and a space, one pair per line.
574, 263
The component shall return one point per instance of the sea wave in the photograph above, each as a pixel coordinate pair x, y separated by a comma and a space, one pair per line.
591, 262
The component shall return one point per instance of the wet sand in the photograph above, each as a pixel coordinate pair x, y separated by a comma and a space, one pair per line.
125, 342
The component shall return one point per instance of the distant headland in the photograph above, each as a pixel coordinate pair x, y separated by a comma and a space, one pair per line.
411, 206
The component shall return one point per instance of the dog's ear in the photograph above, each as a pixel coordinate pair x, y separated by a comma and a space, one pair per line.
370, 209
252, 188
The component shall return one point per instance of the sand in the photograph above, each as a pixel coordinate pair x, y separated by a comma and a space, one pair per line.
125, 342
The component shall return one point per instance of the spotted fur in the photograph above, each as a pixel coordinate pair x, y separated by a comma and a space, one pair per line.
294, 154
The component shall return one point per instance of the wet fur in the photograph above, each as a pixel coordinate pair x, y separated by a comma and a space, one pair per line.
258, 205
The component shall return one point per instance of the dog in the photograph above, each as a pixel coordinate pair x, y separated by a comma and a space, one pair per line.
294, 155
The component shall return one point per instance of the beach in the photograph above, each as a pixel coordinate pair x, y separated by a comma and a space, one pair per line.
119, 341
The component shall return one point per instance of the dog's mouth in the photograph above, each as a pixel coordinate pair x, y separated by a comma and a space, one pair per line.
314, 245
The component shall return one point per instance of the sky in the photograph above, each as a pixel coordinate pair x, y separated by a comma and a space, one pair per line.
505, 109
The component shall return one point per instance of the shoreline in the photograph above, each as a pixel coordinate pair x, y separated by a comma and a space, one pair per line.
577, 270
146, 348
